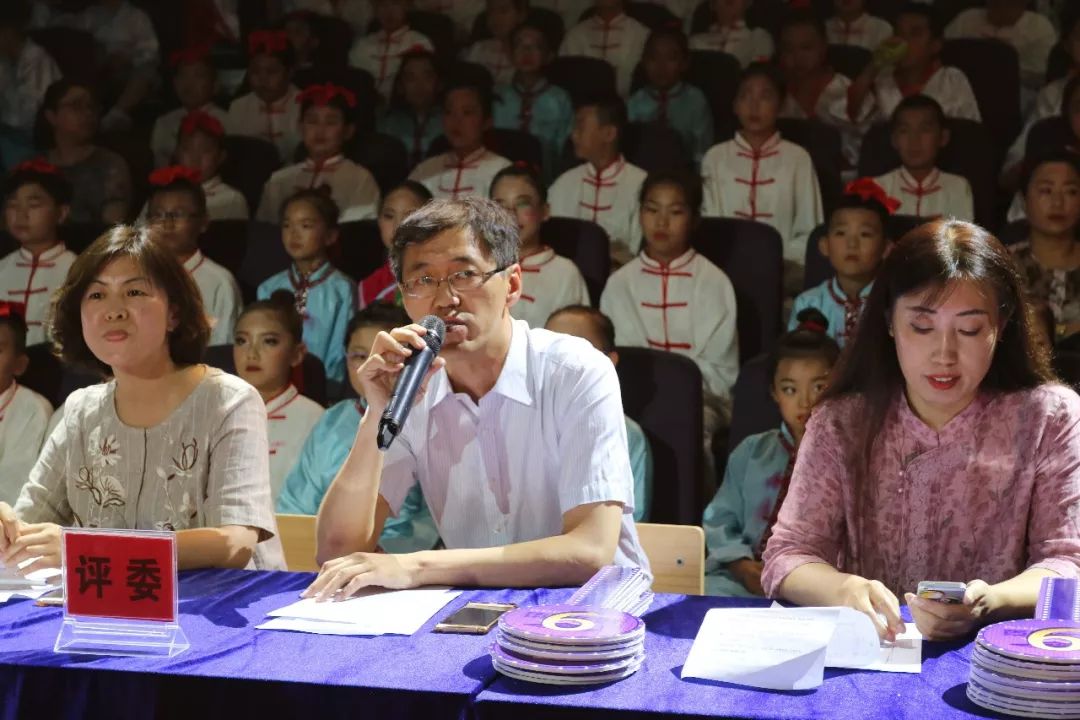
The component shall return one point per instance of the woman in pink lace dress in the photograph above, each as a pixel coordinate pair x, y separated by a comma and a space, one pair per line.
944, 449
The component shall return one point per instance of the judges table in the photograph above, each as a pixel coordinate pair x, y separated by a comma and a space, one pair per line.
233, 670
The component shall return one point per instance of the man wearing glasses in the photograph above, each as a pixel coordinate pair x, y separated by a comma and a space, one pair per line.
517, 441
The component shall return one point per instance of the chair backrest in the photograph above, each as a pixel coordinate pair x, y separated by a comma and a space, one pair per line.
312, 381
225, 242
361, 249
44, 373
965, 155
265, 256
1014, 232
751, 255
662, 391
439, 29
297, 534
514, 145
818, 268
1058, 64
993, 69
717, 75
1050, 134
75, 51
581, 76
78, 236
656, 148
848, 60
384, 156
249, 163
677, 556
753, 410
586, 244
549, 22
822, 142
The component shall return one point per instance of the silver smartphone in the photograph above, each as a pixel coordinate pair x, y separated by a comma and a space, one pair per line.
951, 593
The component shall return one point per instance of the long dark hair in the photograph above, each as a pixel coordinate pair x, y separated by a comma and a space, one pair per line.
929, 258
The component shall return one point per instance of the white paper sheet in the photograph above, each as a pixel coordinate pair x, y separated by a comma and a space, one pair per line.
374, 612
32, 586
902, 656
760, 648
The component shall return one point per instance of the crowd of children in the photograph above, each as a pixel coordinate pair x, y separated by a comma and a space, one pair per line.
449, 119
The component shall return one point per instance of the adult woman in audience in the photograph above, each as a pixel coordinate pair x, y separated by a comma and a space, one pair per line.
168, 443
942, 450
67, 124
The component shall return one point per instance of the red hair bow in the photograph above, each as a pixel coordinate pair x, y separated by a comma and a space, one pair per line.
8, 309
198, 120
812, 326
867, 189
322, 95
170, 174
37, 165
267, 41
188, 56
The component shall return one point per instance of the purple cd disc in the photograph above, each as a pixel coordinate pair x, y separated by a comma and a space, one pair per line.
561, 667
548, 679
1047, 641
625, 648
581, 624
569, 653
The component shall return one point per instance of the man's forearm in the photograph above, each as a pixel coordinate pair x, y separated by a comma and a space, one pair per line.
346, 520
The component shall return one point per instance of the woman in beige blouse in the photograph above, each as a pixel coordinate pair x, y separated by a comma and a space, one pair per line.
168, 444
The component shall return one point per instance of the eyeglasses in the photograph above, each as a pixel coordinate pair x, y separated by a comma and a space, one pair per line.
462, 281
160, 218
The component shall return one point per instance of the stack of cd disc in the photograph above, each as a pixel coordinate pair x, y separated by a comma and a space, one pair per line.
1029, 668
568, 644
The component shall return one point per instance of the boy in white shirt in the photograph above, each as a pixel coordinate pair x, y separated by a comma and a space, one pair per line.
468, 167
195, 83
176, 210
270, 111
37, 200
327, 124
380, 52
919, 133
502, 16
24, 415
202, 146
604, 188
730, 34
609, 35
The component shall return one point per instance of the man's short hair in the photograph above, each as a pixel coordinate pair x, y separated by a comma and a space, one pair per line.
601, 323
932, 15
492, 228
918, 102
610, 110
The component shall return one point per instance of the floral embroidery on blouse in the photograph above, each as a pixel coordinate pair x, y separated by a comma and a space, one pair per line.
180, 515
105, 489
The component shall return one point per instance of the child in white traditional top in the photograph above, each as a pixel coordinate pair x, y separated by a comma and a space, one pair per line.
202, 147
323, 294
919, 134
604, 188
24, 415
381, 286
326, 118
1048, 103
856, 241
667, 99
502, 16
270, 111
852, 25
26, 72
380, 52
414, 115
467, 167
730, 34
462, 12
609, 35
814, 90
1010, 21
167, 444
195, 83
569, 10
671, 298
760, 176
910, 65
37, 200
549, 281
267, 349
176, 211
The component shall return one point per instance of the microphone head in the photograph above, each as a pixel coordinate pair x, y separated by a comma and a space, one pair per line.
436, 328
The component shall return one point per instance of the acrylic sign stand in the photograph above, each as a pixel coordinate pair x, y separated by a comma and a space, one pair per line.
120, 594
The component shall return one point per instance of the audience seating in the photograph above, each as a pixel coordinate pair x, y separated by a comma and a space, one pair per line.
656, 148
1049, 135
849, 60
75, 51
265, 257
717, 75
652, 15
549, 21
586, 244
360, 249
249, 163
298, 542
750, 254
384, 155
312, 374
753, 409
823, 143
47, 375
993, 69
78, 236
1014, 232
676, 556
662, 391
225, 242
818, 269
514, 145
582, 77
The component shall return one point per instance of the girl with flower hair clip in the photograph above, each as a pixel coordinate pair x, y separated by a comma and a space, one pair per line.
269, 112
326, 124
855, 243
168, 443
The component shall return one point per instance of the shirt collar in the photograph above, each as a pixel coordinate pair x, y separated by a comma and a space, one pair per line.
282, 399
453, 162
839, 291
785, 433
605, 173
909, 180
327, 164
925, 436
678, 262
540, 257
212, 185
513, 381
47, 256
771, 143
614, 22
194, 261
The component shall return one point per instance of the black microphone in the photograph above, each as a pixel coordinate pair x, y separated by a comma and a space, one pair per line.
408, 382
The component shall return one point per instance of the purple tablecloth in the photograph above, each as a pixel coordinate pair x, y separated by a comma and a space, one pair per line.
271, 674
656, 690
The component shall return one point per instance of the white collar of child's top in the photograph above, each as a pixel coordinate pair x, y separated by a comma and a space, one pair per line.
513, 381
